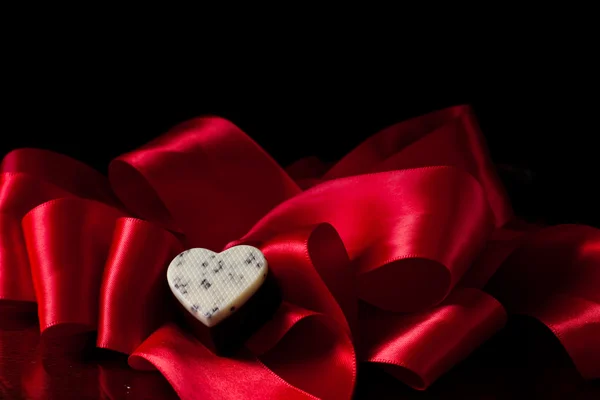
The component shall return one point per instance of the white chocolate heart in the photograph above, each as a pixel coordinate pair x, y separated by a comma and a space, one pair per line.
212, 285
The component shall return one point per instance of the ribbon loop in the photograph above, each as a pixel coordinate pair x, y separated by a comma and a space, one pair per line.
418, 348
435, 214
68, 241
134, 298
62, 171
448, 137
195, 372
300, 261
205, 177
19, 193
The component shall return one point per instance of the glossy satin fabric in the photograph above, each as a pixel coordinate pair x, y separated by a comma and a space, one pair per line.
405, 253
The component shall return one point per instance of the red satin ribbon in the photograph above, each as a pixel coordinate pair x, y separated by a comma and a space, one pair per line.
405, 253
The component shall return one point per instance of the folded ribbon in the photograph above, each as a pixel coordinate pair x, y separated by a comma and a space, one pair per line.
405, 253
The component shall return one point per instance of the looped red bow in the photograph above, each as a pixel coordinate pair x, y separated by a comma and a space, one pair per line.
405, 253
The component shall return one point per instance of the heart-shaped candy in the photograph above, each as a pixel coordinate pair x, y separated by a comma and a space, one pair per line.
212, 286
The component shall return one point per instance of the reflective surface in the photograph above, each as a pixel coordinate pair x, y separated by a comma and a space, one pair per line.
523, 360
31, 368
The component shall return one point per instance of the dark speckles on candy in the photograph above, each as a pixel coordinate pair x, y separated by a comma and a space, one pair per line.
195, 308
205, 284
212, 256
182, 287
250, 258
205, 264
215, 309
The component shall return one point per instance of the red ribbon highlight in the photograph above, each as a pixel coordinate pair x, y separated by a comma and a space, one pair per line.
405, 253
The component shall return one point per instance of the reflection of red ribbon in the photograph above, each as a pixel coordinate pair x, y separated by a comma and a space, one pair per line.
400, 254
